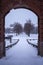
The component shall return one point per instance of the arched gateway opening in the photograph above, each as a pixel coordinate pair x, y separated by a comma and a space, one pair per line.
33, 6
22, 17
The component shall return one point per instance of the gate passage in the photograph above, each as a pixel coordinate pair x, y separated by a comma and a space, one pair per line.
34, 5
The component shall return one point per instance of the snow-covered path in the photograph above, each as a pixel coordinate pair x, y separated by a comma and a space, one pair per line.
22, 54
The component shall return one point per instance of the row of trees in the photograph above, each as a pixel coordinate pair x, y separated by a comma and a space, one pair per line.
28, 28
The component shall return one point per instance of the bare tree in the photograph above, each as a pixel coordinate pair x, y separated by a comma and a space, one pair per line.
17, 28
7, 30
28, 27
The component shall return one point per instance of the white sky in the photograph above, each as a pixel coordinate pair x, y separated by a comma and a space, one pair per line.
20, 15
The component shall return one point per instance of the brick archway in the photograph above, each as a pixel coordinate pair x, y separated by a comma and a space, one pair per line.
33, 5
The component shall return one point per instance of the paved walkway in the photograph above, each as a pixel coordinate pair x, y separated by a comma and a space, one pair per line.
22, 54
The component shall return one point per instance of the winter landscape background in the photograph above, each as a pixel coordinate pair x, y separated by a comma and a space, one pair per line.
22, 53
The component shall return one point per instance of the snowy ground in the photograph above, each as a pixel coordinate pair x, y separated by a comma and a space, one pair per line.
7, 42
22, 54
33, 38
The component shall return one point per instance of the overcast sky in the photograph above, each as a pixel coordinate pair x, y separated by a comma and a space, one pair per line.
20, 15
